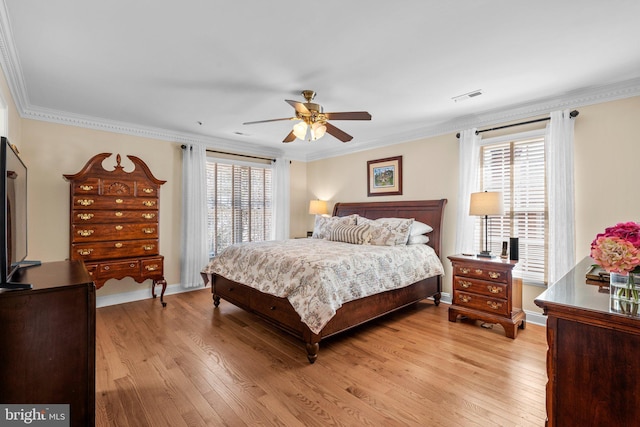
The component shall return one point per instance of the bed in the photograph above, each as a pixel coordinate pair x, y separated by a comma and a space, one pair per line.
279, 311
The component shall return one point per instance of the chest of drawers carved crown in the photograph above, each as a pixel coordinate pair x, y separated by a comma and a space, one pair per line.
114, 222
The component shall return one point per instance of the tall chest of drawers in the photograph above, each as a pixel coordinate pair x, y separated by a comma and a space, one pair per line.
114, 222
484, 289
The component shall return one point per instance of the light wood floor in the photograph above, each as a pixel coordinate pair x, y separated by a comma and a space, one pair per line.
192, 365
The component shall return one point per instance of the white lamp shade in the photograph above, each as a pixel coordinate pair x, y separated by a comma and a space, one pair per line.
300, 130
317, 130
486, 203
318, 207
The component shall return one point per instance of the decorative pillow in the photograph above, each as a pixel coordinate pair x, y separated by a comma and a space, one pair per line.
419, 239
355, 234
324, 224
388, 231
420, 228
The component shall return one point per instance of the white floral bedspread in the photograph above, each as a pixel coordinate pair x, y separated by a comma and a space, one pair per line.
318, 276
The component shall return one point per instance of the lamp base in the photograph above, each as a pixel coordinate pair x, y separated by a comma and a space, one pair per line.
485, 254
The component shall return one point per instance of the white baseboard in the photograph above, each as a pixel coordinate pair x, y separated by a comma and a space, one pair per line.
139, 295
532, 316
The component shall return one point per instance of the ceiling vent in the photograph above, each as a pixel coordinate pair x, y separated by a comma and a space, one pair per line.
466, 96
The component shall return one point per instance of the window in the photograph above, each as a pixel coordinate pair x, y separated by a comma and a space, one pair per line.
239, 203
517, 169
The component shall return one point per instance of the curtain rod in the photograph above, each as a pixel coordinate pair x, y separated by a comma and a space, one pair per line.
572, 114
235, 154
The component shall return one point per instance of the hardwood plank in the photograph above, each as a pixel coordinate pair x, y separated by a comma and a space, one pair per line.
195, 365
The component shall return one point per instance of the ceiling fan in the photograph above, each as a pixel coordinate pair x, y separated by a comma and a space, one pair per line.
314, 122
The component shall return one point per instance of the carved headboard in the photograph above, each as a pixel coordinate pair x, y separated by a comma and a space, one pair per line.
428, 211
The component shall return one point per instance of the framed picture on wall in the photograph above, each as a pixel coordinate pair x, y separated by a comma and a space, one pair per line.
384, 177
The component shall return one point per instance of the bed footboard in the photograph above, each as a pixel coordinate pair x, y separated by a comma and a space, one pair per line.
280, 313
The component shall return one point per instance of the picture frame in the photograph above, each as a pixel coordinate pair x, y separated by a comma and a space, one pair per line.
384, 177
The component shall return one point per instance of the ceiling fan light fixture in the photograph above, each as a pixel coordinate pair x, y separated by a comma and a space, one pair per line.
318, 130
300, 130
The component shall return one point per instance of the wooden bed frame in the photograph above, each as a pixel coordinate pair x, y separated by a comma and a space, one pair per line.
279, 312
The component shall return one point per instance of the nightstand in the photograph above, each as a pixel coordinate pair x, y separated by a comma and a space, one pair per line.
484, 289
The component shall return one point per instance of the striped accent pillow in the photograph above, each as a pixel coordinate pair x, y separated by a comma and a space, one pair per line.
355, 234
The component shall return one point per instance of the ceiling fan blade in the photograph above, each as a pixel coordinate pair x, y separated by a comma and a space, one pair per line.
270, 120
352, 115
340, 134
289, 137
299, 106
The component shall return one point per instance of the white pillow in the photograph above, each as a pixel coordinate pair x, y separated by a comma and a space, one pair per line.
324, 224
419, 239
420, 228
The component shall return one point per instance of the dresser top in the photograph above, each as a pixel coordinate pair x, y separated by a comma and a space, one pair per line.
571, 296
94, 168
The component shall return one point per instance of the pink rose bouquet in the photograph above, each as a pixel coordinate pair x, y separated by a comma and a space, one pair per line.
617, 250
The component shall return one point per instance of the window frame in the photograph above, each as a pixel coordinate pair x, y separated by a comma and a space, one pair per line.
238, 234
479, 236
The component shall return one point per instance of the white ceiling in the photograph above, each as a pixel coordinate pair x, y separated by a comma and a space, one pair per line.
158, 67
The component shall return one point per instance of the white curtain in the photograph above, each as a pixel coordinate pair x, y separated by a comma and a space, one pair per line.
194, 215
469, 165
560, 187
281, 197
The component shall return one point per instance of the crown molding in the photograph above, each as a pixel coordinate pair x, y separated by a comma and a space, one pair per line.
570, 100
15, 80
10, 63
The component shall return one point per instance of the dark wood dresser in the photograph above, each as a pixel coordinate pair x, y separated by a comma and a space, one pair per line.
484, 289
592, 361
114, 222
47, 339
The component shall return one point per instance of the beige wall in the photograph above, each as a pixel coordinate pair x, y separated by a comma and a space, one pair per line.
51, 150
606, 153
606, 176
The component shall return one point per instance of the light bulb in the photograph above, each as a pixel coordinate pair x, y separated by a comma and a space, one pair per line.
317, 130
300, 130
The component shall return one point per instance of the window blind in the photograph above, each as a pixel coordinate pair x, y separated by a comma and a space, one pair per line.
517, 169
239, 203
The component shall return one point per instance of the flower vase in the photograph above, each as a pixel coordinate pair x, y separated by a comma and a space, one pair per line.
624, 291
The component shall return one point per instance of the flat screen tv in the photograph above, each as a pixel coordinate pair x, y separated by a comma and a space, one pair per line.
13, 191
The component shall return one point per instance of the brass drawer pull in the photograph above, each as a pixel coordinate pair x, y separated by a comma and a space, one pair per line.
118, 214
465, 284
494, 305
152, 267
86, 187
478, 271
85, 216
119, 201
85, 252
132, 265
464, 298
118, 245
85, 202
147, 190
148, 230
494, 289
85, 233
106, 268
464, 270
494, 275
148, 215
149, 203
148, 247
119, 228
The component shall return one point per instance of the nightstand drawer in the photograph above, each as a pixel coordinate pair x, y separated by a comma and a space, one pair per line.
481, 302
481, 272
492, 289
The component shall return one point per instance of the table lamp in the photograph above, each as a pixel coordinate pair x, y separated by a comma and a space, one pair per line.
484, 204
